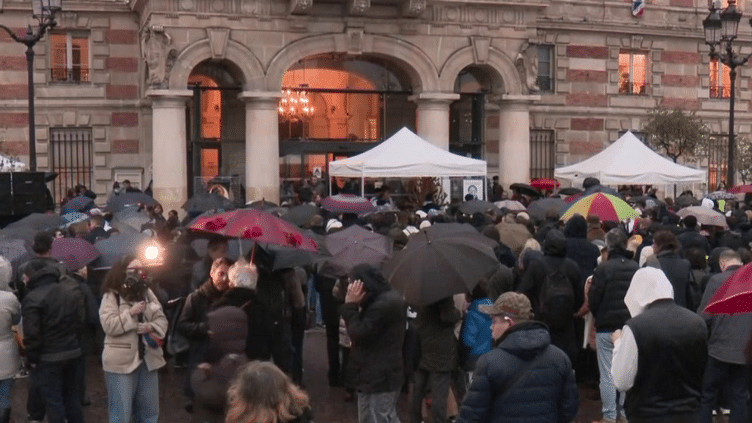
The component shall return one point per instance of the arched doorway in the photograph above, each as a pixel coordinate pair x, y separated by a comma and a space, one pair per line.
216, 130
467, 124
334, 106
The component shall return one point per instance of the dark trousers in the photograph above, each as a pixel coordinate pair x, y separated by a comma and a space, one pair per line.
734, 377
439, 383
298, 326
61, 390
330, 314
34, 398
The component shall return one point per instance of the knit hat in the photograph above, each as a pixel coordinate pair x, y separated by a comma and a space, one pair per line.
513, 304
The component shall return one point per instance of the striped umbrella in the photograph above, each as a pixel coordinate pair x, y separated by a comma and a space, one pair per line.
606, 206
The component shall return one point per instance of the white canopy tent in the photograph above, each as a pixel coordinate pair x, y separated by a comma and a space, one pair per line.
406, 155
629, 161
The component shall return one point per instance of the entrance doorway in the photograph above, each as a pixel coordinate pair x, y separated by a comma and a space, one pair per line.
216, 128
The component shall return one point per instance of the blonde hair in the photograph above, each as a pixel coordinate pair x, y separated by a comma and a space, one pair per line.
261, 393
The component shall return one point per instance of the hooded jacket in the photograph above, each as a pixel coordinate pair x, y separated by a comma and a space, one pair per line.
611, 281
52, 324
10, 314
546, 393
579, 249
660, 358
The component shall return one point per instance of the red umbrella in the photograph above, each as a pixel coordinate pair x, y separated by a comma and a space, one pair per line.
347, 203
257, 225
545, 183
739, 189
75, 253
735, 295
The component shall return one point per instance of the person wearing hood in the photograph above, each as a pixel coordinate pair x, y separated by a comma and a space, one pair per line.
524, 377
10, 315
554, 260
579, 249
611, 281
727, 363
660, 353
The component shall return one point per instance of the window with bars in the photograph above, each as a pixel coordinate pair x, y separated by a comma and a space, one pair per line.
720, 80
633, 73
542, 153
71, 152
546, 75
717, 160
69, 57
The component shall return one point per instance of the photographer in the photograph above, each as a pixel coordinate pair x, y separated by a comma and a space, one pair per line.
134, 326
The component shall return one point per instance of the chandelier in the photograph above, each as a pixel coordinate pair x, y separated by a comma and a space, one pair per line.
294, 104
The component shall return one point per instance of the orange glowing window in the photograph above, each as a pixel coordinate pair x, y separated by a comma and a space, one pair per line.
633, 73
720, 80
69, 57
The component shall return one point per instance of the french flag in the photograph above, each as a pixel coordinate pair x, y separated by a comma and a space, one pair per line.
638, 7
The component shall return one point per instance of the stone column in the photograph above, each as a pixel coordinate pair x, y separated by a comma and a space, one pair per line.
261, 145
169, 150
514, 139
433, 116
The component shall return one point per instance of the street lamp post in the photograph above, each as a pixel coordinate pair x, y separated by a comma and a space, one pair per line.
720, 31
44, 11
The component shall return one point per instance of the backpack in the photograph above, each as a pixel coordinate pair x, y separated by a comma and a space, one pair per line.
556, 299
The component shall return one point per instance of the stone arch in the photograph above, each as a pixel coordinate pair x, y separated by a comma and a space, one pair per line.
422, 71
249, 66
504, 75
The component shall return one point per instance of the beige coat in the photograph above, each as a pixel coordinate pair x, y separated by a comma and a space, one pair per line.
120, 353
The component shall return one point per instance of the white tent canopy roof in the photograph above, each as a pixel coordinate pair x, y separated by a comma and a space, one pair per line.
406, 155
629, 161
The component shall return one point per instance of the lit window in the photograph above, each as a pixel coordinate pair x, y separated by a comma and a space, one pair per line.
69, 59
720, 80
545, 80
633, 73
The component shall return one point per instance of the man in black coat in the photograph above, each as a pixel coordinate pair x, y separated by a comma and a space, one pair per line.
561, 328
727, 363
660, 354
375, 316
677, 269
611, 281
691, 236
524, 378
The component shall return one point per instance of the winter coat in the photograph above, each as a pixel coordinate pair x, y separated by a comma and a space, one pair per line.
677, 271
229, 327
585, 254
210, 388
545, 393
260, 325
611, 281
728, 333
377, 333
121, 342
10, 314
692, 239
52, 321
476, 333
192, 322
500, 281
438, 345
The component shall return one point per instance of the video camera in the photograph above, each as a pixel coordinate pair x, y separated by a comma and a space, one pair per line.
135, 284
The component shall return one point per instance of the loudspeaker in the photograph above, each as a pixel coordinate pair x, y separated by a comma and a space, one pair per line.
29, 202
6, 198
26, 182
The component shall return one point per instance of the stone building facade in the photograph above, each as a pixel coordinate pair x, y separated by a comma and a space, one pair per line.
114, 87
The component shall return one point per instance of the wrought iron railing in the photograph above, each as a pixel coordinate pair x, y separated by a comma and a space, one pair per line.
71, 75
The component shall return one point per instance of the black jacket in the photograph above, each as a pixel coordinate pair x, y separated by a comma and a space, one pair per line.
611, 281
545, 393
672, 345
377, 333
260, 324
678, 271
52, 321
438, 345
192, 322
692, 239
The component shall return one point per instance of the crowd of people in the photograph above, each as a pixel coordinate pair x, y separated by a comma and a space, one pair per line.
620, 304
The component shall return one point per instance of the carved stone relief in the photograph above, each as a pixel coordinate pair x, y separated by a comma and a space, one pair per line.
159, 54
359, 7
413, 8
527, 66
300, 7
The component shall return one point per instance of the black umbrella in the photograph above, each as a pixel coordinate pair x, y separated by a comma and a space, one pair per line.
50, 176
478, 206
17, 251
570, 191
81, 203
121, 201
261, 205
525, 189
117, 246
686, 201
604, 189
438, 263
301, 214
538, 208
353, 246
38, 222
208, 201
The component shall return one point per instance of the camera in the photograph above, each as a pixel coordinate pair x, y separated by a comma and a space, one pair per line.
135, 284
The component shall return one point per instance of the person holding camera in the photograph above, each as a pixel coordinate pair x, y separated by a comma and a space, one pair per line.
134, 326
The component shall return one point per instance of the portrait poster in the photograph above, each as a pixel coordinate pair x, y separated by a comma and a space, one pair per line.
474, 187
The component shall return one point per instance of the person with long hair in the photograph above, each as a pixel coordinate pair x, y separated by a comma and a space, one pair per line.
262, 393
134, 326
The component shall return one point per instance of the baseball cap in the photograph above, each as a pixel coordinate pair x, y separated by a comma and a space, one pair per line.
512, 304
